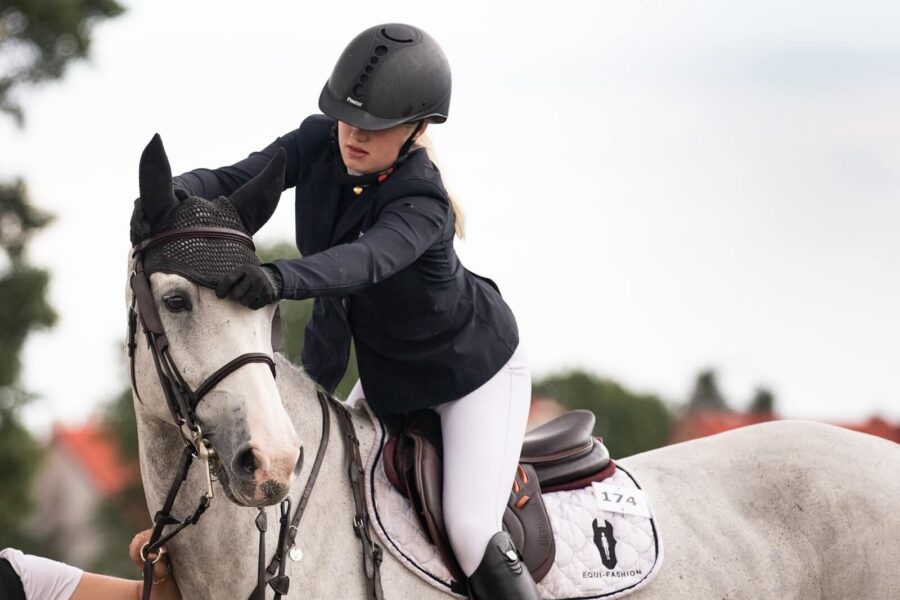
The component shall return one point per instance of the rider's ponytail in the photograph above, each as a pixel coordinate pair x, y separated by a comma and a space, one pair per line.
424, 142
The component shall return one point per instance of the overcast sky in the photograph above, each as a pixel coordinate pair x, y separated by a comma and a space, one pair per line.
657, 187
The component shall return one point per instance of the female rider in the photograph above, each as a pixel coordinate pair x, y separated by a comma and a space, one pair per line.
375, 227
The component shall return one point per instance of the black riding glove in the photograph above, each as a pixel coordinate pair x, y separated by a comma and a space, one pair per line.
251, 285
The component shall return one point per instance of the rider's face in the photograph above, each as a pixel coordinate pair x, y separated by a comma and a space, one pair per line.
369, 151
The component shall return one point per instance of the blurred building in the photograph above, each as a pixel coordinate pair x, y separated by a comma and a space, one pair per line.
700, 423
82, 469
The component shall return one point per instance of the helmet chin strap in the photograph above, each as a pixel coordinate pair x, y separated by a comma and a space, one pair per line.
351, 177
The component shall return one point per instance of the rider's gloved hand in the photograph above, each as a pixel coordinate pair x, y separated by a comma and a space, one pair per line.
251, 285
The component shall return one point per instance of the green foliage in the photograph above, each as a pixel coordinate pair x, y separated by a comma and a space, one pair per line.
23, 308
40, 38
296, 314
19, 457
628, 422
23, 305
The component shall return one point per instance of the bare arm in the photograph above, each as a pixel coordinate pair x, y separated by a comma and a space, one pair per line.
100, 587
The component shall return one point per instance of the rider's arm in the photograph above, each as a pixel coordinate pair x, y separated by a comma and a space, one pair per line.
404, 230
212, 183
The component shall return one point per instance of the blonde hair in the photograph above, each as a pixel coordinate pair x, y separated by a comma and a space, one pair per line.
424, 142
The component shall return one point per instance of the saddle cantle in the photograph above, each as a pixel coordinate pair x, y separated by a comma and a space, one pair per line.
564, 453
559, 455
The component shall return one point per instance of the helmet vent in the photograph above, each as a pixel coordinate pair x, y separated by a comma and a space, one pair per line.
359, 90
381, 50
401, 35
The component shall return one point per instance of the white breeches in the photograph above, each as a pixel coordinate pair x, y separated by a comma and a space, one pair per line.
483, 434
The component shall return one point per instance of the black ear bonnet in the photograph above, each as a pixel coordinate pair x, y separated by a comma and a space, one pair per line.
204, 261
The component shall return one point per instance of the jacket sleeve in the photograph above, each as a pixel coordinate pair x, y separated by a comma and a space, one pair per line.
404, 230
213, 183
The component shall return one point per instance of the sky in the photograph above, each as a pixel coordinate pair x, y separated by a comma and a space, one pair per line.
657, 187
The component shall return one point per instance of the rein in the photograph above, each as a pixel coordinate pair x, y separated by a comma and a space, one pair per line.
182, 402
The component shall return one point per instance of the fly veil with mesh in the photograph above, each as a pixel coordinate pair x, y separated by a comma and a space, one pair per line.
202, 259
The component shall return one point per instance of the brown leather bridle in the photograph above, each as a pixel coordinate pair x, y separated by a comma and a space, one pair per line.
182, 401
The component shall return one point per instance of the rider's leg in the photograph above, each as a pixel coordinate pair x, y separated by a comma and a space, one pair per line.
483, 434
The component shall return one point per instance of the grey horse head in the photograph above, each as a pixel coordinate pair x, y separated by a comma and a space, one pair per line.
254, 440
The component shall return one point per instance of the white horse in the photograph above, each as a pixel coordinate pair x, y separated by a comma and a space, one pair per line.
782, 510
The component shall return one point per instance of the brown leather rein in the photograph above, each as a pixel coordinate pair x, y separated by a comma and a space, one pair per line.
182, 402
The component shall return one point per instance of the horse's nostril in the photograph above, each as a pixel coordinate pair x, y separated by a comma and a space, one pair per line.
247, 462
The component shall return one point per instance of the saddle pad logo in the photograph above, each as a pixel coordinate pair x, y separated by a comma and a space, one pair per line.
606, 544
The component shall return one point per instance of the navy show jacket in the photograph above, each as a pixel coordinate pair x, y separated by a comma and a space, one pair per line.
426, 329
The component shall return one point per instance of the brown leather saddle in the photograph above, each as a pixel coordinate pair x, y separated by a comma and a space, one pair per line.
559, 455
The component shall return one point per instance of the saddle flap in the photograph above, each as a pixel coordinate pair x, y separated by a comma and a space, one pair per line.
528, 523
421, 470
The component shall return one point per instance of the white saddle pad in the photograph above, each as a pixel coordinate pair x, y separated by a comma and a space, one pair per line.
607, 542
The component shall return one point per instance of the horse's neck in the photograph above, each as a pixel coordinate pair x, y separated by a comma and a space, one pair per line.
217, 557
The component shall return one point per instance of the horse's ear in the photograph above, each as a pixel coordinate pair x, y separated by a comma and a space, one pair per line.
157, 193
256, 200
597, 528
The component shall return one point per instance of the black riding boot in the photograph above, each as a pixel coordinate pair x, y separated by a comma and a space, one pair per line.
501, 574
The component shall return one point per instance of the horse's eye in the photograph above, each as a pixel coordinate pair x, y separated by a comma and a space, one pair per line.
176, 303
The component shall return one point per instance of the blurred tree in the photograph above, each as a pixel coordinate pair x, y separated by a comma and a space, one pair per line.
628, 422
40, 38
23, 309
763, 401
706, 395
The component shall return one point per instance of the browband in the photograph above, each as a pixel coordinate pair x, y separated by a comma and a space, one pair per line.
218, 233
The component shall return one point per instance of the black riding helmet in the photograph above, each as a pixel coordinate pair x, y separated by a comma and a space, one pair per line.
388, 75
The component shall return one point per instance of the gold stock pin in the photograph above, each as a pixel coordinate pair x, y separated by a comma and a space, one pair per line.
358, 190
